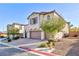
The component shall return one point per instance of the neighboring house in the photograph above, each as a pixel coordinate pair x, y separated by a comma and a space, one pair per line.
33, 29
21, 28
3, 34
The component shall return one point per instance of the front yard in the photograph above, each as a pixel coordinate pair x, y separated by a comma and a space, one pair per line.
67, 47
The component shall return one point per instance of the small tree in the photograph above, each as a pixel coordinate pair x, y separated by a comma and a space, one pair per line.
52, 26
13, 31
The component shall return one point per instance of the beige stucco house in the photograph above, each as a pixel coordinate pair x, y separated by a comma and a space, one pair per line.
21, 28
34, 20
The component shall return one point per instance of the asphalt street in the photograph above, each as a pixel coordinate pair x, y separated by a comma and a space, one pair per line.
9, 51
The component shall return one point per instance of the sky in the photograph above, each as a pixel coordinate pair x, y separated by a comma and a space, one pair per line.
18, 13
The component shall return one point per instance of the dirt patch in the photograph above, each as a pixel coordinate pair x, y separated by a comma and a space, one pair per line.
63, 47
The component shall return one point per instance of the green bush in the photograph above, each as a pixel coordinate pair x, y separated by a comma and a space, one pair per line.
15, 38
49, 43
42, 45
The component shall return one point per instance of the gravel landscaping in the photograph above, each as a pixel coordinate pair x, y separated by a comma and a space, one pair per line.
67, 47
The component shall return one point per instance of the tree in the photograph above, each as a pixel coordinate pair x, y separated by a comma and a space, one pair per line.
13, 31
52, 26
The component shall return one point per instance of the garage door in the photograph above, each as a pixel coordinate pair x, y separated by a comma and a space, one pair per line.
35, 34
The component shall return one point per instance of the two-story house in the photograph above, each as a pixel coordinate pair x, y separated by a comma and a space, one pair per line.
21, 28
33, 29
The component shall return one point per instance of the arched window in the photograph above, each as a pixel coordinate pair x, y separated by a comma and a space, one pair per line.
48, 17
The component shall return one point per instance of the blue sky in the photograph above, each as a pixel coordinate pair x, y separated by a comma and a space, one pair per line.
18, 13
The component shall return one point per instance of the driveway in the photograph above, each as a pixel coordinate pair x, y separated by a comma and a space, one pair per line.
31, 43
23, 41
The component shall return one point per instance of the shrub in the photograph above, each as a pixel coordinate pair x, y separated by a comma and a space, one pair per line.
15, 38
42, 45
75, 35
9, 40
49, 44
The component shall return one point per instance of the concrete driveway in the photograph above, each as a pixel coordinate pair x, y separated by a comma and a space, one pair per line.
24, 42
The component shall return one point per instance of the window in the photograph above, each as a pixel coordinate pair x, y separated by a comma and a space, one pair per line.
33, 20
48, 17
30, 21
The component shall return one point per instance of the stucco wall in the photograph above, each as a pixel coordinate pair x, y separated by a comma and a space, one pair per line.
66, 29
44, 17
33, 16
17, 26
33, 26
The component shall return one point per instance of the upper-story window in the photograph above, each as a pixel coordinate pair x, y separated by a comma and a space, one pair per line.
33, 20
48, 17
